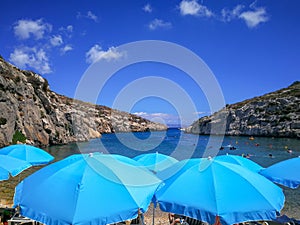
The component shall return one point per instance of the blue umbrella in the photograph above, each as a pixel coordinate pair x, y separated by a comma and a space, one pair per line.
31, 154
87, 189
12, 166
285, 172
208, 189
239, 160
155, 161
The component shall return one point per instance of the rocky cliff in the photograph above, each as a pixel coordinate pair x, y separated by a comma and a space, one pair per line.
27, 105
276, 114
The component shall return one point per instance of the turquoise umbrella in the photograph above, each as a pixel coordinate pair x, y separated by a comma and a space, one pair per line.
155, 161
208, 189
239, 160
11, 166
285, 172
33, 155
86, 189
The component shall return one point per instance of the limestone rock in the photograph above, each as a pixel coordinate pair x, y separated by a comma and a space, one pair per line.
276, 114
28, 105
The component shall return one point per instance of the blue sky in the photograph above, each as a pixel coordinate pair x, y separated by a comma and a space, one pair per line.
252, 47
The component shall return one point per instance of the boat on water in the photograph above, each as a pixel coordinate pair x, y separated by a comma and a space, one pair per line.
231, 147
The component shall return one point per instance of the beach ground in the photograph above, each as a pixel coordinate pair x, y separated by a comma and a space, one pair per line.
161, 218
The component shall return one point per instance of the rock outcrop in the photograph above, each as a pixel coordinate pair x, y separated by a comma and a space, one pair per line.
276, 114
45, 117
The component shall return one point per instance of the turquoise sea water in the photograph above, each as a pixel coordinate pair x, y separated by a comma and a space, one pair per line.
181, 146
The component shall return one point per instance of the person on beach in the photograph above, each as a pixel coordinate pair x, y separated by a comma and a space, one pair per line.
176, 219
6, 216
141, 217
217, 221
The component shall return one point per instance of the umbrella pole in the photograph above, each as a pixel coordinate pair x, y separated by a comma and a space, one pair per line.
153, 214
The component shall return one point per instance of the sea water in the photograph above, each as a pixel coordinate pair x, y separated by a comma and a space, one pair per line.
262, 150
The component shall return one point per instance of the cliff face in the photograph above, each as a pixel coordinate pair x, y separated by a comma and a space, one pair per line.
276, 114
45, 117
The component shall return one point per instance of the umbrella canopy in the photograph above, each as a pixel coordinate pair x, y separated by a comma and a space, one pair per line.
31, 154
155, 161
285, 172
205, 189
239, 160
12, 166
87, 189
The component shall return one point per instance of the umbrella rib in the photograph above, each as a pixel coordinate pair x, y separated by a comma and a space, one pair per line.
214, 187
77, 193
156, 162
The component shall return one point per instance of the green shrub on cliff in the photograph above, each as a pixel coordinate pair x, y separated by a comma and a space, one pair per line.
18, 137
3, 121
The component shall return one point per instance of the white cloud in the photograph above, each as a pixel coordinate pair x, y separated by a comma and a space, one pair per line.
89, 15
169, 119
92, 16
199, 113
56, 40
228, 15
161, 115
165, 118
66, 49
157, 23
67, 31
24, 29
147, 8
141, 114
96, 53
37, 59
254, 17
155, 116
70, 28
38, 42
192, 7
